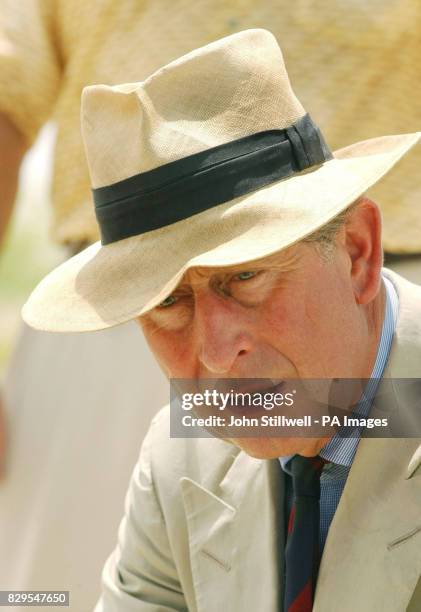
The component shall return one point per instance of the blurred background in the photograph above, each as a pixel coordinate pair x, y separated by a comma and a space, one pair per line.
28, 251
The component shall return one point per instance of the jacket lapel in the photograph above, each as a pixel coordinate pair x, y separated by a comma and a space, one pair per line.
236, 537
371, 559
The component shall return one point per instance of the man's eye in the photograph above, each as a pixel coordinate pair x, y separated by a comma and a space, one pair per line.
169, 301
245, 275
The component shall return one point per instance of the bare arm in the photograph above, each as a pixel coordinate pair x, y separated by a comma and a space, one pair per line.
12, 149
3, 438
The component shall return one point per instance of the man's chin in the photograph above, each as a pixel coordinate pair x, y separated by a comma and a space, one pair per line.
273, 448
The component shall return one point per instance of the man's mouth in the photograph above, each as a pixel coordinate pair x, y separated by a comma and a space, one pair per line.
250, 400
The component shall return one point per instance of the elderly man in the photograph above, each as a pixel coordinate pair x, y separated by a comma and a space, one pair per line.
246, 249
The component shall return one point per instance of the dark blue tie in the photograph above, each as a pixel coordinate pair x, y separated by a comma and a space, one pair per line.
302, 550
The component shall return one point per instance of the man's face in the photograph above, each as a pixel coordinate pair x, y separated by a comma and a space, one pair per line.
299, 319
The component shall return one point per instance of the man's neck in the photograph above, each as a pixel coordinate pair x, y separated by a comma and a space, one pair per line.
375, 319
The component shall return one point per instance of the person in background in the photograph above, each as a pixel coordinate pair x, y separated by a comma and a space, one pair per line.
83, 422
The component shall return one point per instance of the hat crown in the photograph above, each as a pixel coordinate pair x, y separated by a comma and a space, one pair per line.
228, 89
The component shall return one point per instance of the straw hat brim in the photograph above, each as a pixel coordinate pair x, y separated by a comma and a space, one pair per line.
104, 286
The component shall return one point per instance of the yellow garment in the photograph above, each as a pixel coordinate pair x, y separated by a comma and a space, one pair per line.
354, 65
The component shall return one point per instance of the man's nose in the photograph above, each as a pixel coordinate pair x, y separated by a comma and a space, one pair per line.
222, 332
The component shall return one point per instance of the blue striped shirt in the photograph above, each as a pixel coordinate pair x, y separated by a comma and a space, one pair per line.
341, 451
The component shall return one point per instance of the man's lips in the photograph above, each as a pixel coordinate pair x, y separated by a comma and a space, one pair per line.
274, 387
253, 385
251, 409
250, 397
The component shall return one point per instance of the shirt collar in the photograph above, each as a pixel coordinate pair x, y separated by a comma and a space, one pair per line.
342, 450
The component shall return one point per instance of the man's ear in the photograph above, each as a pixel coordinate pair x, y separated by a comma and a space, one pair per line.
363, 231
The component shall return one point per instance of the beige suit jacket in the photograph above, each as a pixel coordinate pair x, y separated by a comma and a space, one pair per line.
203, 529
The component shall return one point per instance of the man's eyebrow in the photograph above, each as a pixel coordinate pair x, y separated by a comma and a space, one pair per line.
204, 273
208, 273
276, 261
181, 287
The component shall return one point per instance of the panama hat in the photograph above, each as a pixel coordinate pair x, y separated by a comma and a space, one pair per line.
211, 161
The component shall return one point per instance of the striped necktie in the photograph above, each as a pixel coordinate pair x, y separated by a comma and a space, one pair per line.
302, 550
